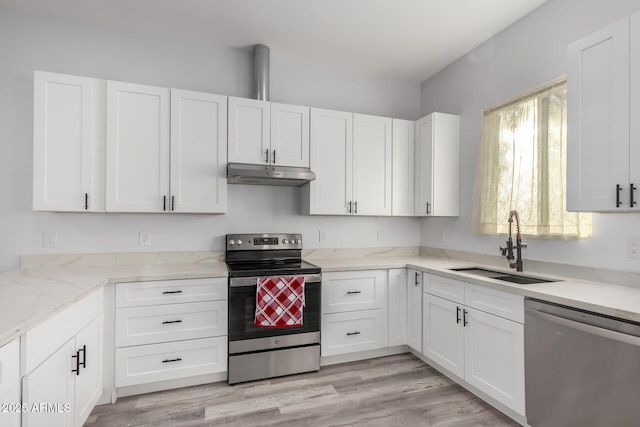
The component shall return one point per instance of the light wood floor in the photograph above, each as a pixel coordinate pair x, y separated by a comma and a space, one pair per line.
389, 391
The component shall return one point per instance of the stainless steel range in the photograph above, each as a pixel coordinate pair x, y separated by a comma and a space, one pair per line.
257, 352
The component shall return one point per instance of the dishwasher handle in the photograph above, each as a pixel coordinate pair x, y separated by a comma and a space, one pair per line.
583, 327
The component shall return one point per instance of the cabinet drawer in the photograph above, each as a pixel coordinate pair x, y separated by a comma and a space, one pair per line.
354, 290
444, 287
168, 361
494, 301
133, 294
43, 340
351, 332
9, 366
174, 322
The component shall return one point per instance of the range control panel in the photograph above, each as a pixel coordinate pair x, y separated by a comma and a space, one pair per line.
239, 242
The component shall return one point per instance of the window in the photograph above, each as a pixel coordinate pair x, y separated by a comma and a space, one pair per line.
522, 166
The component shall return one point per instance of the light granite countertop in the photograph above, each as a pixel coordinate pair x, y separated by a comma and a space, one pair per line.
31, 295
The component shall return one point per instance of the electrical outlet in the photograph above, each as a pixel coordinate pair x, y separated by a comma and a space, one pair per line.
442, 236
321, 236
144, 238
633, 247
380, 235
49, 239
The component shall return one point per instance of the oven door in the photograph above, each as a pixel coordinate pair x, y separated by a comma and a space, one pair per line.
242, 310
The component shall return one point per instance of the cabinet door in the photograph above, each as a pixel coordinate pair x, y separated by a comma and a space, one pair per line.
249, 138
137, 148
51, 383
494, 357
397, 306
371, 165
414, 310
331, 157
68, 143
443, 333
598, 120
198, 152
437, 165
289, 135
634, 107
88, 388
403, 148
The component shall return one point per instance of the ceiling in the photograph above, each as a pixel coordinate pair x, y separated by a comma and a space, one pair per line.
406, 39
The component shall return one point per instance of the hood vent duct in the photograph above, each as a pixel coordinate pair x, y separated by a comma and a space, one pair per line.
261, 72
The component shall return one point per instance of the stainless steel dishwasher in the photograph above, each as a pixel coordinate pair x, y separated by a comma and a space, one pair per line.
581, 368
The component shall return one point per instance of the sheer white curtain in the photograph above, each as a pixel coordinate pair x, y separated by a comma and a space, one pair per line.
522, 166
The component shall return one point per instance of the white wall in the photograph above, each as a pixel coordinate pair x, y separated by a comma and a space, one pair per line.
527, 54
31, 42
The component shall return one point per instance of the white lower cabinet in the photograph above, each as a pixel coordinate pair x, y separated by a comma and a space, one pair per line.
354, 311
170, 329
10, 384
484, 347
63, 386
414, 309
397, 306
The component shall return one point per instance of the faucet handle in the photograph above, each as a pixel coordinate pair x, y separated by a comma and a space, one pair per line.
504, 250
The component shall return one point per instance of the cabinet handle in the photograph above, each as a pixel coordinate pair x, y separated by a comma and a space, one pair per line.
349, 206
632, 189
86, 201
171, 292
457, 315
167, 322
353, 333
618, 189
355, 209
266, 155
428, 208
274, 157
82, 364
77, 357
464, 318
177, 359
164, 203
173, 203
417, 276
353, 292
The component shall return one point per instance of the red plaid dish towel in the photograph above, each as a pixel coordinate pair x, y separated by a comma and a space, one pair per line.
279, 302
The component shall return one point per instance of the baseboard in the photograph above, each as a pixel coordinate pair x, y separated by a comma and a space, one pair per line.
168, 385
362, 355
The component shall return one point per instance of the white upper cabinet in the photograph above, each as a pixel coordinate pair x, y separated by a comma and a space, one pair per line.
351, 156
198, 152
138, 138
403, 149
267, 133
166, 150
437, 165
331, 146
249, 138
289, 135
603, 92
68, 145
371, 165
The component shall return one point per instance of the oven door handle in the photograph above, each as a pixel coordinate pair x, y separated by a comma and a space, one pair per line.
239, 282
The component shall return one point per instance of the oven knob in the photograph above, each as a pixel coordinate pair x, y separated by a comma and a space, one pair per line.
285, 241
232, 242
298, 241
239, 242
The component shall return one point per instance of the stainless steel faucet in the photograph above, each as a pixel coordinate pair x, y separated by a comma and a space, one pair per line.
507, 251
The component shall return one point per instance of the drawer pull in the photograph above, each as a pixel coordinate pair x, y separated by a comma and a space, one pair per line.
353, 292
77, 359
177, 359
353, 333
171, 292
167, 322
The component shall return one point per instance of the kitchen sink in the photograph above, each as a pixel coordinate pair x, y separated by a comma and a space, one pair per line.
500, 275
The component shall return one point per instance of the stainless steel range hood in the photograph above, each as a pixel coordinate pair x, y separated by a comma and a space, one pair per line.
241, 173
